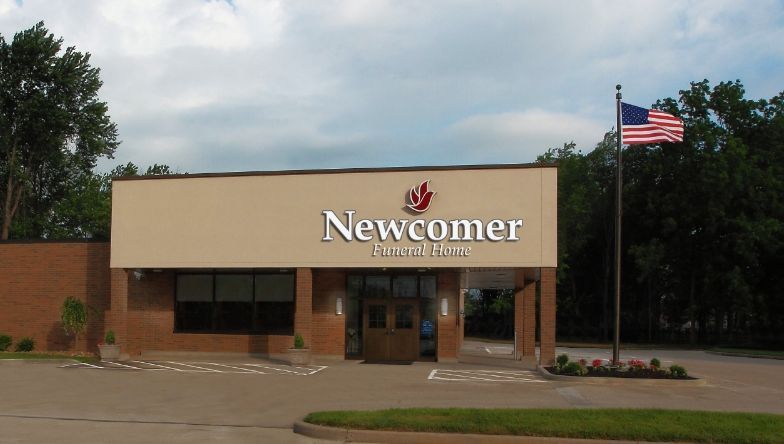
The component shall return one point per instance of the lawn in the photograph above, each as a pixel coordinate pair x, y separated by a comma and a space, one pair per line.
33, 355
628, 424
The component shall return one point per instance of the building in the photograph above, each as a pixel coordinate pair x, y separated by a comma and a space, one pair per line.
363, 263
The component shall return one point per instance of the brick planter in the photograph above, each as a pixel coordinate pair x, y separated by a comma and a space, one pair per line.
109, 352
298, 356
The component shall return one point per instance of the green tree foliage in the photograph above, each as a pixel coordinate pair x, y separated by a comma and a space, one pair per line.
703, 231
85, 211
53, 127
73, 314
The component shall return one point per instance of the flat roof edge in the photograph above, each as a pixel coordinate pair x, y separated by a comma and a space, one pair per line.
500, 166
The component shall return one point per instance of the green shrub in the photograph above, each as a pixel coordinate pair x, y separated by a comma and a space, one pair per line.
573, 369
74, 316
5, 342
678, 371
561, 360
25, 345
299, 342
108, 338
655, 363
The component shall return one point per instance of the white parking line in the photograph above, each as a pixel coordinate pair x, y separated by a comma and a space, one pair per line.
194, 366
158, 365
244, 370
202, 367
117, 363
484, 375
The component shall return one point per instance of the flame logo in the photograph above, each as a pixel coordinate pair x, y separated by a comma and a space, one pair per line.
420, 197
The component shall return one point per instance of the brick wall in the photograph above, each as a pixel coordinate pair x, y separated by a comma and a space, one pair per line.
35, 279
547, 317
329, 329
525, 315
150, 323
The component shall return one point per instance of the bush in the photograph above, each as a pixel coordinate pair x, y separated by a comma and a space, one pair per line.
108, 338
25, 345
5, 342
561, 360
678, 371
573, 369
299, 342
74, 316
656, 363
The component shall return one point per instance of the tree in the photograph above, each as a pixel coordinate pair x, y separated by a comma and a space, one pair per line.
74, 316
53, 127
85, 211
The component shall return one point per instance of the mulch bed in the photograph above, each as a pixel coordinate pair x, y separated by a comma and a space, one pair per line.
629, 374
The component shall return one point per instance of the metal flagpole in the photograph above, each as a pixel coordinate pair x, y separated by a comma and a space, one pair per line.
619, 188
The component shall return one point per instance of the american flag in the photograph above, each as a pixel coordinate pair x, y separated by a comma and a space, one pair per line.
641, 125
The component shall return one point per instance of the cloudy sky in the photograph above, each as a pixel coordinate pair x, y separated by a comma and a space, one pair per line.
264, 85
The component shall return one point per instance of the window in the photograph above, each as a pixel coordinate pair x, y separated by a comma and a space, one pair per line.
274, 303
404, 316
233, 301
194, 302
377, 316
404, 287
260, 302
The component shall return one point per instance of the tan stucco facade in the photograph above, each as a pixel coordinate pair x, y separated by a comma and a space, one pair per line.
277, 219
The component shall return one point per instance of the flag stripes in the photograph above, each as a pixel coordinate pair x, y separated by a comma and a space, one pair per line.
649, 126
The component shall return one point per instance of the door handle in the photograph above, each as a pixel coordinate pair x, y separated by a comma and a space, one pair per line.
393, 331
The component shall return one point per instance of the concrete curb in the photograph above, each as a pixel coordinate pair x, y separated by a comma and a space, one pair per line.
699, 381
742, 355
37, 361
392, 437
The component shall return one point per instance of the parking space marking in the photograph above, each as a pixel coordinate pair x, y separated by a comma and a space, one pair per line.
109, 364
243, 370
201, 367
484, 375
158, 365
194, 366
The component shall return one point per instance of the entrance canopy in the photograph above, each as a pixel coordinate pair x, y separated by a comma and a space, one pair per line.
494, 278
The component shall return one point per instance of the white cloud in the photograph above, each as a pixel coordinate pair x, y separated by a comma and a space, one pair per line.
523, 134
246, 84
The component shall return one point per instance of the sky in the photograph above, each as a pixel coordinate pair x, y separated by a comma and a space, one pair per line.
210, 86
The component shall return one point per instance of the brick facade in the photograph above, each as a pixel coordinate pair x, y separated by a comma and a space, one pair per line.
35, 279
525, 316
329, 329
547, 316
448, 326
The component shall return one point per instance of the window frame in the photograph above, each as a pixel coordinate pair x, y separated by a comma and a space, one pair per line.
253, 272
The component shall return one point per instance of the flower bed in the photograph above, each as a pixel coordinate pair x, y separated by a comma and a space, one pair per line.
603, 368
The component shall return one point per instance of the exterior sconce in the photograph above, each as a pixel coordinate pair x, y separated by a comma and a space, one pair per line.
444, 306
338, 306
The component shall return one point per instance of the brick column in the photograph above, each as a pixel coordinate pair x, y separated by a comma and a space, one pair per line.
303, 317
525, 316
547, 317
117, 318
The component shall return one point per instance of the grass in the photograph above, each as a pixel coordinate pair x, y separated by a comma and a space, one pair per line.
750, 352
33, 355
628, 424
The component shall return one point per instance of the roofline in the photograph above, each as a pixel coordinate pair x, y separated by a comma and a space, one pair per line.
509, 166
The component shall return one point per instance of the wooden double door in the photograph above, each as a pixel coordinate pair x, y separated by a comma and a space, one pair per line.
391, 329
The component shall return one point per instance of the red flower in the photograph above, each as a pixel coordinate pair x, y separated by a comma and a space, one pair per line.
420, 197
596, 363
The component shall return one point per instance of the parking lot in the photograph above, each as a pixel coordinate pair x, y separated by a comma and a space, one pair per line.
250, 400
